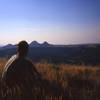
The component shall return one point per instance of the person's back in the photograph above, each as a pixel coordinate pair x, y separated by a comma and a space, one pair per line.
18, 69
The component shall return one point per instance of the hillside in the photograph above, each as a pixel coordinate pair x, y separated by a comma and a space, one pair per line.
85, 54
64, 82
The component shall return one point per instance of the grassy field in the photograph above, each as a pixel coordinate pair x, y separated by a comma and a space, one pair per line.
63, 82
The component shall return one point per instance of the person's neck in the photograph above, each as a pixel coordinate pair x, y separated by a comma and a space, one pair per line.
22, 56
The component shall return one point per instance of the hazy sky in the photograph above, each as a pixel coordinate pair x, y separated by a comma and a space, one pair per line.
55, 21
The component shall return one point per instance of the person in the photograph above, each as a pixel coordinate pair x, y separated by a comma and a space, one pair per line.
19, 70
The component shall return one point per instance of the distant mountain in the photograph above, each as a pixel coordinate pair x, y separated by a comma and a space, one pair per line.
34, 44
9, 46
46, 44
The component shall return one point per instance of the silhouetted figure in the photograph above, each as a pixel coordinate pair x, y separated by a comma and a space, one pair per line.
19, 71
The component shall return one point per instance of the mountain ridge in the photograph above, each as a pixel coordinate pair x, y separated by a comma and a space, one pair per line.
32, 44
46, 44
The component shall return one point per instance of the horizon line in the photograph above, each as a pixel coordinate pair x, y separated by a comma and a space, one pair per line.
1, 45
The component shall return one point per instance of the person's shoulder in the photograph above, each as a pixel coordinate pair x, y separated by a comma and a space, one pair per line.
11, 60
9, 64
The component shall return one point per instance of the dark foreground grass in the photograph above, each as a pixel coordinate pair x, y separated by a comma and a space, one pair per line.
59, 82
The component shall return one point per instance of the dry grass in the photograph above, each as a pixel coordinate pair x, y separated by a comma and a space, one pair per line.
66, 82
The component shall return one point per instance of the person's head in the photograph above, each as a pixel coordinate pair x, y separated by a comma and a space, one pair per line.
23, 48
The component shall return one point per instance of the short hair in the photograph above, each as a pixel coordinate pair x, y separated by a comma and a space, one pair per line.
23, 47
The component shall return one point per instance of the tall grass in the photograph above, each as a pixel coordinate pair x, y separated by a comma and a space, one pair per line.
63, 82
